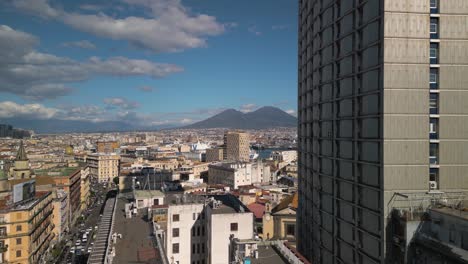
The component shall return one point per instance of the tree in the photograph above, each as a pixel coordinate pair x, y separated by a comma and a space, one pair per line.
116, 180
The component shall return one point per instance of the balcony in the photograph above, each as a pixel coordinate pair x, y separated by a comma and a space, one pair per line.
433, 160
433, 135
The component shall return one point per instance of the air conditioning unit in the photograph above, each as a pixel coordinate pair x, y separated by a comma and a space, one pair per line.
432, 185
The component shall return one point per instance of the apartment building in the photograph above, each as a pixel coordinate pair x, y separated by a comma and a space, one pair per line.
60, 215
236, 146
104, 167
107, 146
200, 231
68, 180
26, 229
382, 112
85, 190
214, 154
235, 174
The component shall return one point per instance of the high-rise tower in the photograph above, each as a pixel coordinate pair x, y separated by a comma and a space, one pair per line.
383, 110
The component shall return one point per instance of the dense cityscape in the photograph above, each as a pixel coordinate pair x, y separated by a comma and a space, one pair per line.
95, 197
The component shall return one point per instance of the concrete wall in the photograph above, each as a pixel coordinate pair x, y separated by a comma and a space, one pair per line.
185, 224
220, 231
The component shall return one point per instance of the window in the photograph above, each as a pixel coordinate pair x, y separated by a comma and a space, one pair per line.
234, 227
434, 51
203, 230
18, 253
2, 231
433, 4
434, 26
433, 104
194, 215
433, 153
198, 248
433, 128
18, 241
452, 234
434, 174
175, 248
193, 248
433, 75
175, 232
198, 231
175, 218
19, 228
193, 231
290, 230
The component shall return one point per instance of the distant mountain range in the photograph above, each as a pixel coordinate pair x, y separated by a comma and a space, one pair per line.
265, 117
56, 126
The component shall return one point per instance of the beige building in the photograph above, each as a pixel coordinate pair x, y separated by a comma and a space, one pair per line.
382, 115
107, 146
26, 229
214, 154
61, 215
236, 146
279, 222
85, 183
104, 167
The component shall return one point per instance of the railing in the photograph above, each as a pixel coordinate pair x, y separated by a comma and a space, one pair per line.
107, 259
162, 251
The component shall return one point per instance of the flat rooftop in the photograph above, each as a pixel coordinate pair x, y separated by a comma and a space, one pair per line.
268, 254
58, 172
6, 206
463, 213
136, 245
148, 194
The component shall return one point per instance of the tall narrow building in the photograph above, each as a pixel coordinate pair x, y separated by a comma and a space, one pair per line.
383, 112
236, 146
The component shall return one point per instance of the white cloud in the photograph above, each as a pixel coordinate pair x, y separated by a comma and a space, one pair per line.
145, 88
291, 112
121, 103
10, 109
84, 44
169, 28
37, 7
254, 30
248, 108
36, 75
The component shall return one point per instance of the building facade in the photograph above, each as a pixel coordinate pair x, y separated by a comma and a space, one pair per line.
104, 167
214, 154
202, 231
26, 229
235, 174
85, 190
382, 110
236, 146
107, 146
60, 215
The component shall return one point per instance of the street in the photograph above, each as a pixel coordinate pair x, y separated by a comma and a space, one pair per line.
79, 242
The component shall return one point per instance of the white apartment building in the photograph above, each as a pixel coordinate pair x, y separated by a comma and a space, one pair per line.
226, 222
186, 233
104, 167
200, 231
235, 174
286, 156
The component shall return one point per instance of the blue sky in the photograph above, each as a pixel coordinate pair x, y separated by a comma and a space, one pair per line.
146, 61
